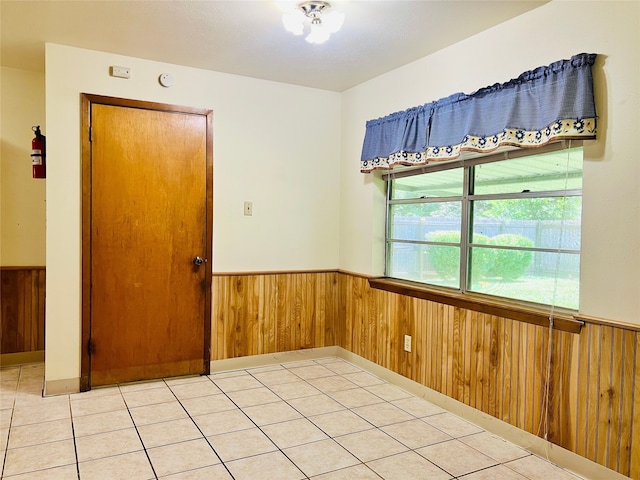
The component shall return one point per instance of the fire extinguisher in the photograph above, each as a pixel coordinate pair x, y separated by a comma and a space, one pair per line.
38, 153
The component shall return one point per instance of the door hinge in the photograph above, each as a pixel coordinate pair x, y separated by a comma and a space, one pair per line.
91, 347
91, 134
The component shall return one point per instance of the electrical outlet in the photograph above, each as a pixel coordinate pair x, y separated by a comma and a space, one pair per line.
248, 209
121, 72
407, 343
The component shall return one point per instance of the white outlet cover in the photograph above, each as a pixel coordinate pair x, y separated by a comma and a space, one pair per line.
166, 80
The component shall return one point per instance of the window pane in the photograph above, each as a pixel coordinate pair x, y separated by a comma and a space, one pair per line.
537, 173
416, 221
529, 222
525, 275
433, 264
446, 183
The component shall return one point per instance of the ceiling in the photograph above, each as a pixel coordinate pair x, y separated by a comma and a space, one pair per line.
247, 37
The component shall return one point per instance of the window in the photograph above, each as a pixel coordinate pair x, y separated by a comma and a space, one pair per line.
507, 228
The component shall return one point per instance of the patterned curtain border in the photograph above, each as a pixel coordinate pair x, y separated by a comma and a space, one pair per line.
574, 129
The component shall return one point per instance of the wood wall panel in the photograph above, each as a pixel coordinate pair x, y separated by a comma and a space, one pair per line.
499, 366
22, 309
259, 314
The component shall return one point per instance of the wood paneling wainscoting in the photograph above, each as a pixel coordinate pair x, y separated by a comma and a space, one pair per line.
498, 366
495, 364
255, 314
22, 309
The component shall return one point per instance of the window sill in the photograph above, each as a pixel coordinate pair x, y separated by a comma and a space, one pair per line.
524, 312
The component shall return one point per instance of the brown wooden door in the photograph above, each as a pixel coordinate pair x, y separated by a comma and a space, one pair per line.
148, 221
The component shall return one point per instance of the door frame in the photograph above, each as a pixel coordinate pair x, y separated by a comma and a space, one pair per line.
87, 100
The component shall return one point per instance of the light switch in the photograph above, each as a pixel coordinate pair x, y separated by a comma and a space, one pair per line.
248, 208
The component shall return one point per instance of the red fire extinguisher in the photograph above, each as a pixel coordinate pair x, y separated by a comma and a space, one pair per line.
38, 153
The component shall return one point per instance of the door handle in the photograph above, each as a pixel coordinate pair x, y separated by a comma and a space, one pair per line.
198, 261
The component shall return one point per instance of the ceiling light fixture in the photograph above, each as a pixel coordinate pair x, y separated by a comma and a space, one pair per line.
323, 23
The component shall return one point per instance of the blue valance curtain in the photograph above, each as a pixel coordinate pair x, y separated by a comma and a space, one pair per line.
540, 106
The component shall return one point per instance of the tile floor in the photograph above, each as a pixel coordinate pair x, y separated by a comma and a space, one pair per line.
320, 419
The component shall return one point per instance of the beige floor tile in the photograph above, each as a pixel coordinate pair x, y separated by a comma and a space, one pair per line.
139, 386
180, 457
173, 381
213, 472
28, 398
335, 383
499, 472
241, 444
271, 413
223, 422
342, 368
456, 458
320, 457
211, 404
363, 379
418, 407
253, 396
293, 433
159, 412
300, 363
130, 466
309, 372
66, 472
370, 445
4, 437
494, 447
38, 433
265, 368
151, 396
315, 405
39, 457
535, 468
31, 384
9, 374
228, 374
165, 433
47, 409
407, 465
416, 433
236, 383
107, 444
355, 397
35, 370
297, 389
5, 417
101, 423
452, 425
89, 406
195, 389
268, 466
357, 472
339, 423
96, 392
388, 392
383, 414
275, 377
7, 399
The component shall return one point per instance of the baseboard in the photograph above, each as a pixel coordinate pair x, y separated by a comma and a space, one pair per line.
7, 359
61, 387
273, 358
555, 454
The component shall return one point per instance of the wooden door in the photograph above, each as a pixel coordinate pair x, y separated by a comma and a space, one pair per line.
149, 204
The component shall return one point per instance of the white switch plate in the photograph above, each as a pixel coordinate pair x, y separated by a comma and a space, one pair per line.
248, 208
121, 72
407, 343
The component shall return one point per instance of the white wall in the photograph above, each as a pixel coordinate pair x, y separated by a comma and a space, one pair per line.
276, 145
22, 201
610, 276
